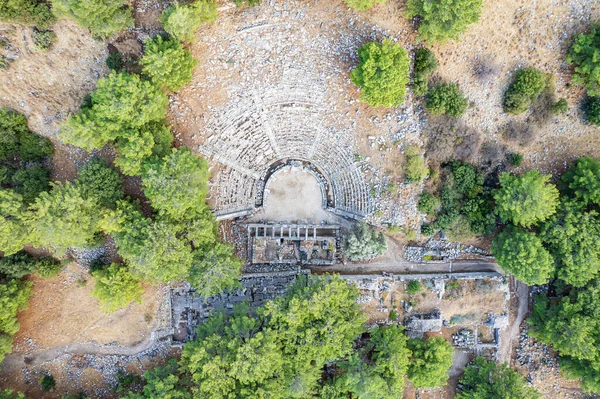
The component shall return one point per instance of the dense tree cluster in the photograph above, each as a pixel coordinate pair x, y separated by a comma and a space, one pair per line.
28, 12
116, 288
382, 73
362, 242
485, 379
441, 20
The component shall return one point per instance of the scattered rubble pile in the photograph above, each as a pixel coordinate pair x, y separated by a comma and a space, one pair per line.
441, 251
463, 338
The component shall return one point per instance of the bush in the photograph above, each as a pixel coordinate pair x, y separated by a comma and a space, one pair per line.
526, 87
362, 243
101, 182
560, 107
17, 140
48, 383
413, 287
27, 12
382, 73
362, 5
515, 159
43, 39
450, 138
167, 63
48, 267
116, 288
443, 20
427, 230
30, 182
591, 110
446, 99
585, 55
182, 20
425, 62
251, 3
102, 17
414, 169
14, 297
17, 265
114, 61
427, 203
459, 230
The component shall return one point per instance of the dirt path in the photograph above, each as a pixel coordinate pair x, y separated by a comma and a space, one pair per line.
521, 293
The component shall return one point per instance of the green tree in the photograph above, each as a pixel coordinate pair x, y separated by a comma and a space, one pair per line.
414, 287
362, 243
527, 199
446, 99
14, 230
121, 105
585, 55
526, 87
414, 169
167, 63
382, 73
30, 182
572, 237
161, 383
8, 394
522, 254
428, 203
27, 12
176, 184
441, 20
17, 140
425, 64
484, 379
182, 20
63, 218
116, 288
214, 270
362, 5
101, 182
14, 297
17, 265
47, 382
591, 110
430, 362
102, 17
582, 181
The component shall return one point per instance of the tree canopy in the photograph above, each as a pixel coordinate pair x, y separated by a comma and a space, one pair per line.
102, 17
167, 63
362, 242
382, 73
444, 19
116, 288
522, 254
182, 20
101, 182
585, 55
14, 228
14, 297
430, 362
527, 199
446, 99
485, 379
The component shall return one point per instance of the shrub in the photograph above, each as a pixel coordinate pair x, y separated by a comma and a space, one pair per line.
102, 17
425, 64
116, 288
585, 55
560, 107
450, 138
420, 85
459, 229
413, 287
30, 182
48, 267
17, 265
443, 20
114, 61
526, 87
591, 110
14, 228
382, 73
5, 61
515, 159
446, 99
14, 297
251, 3
101, 182
362, 5
43, 39
427, 203
414, 169
362, 243
167, 63
48, 383
427, 230
182, 20
17, 140
27, 12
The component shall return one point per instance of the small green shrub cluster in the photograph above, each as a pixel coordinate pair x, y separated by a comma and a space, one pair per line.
116, 288
560, 107
382, 73
48, 383
584, 54
114, 61
526, 87
428, 203
414, 287
591, 109
515, 159
252, 3
14, 297
446, 99
414, 168
425, 64
359, 5
43, 39
182, 20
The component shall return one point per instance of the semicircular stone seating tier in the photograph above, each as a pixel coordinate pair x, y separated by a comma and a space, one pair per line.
281, 122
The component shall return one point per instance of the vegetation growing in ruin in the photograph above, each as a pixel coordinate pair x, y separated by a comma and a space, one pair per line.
430, 361
443, 20
363, 242
116, 288
485, 379
382, 73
